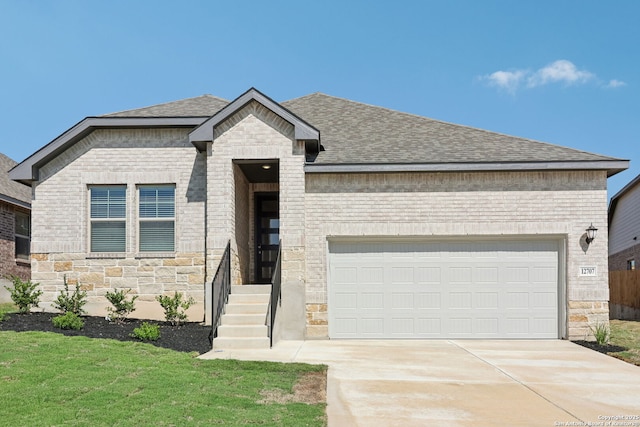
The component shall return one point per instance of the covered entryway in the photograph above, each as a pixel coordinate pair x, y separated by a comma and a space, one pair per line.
444, 289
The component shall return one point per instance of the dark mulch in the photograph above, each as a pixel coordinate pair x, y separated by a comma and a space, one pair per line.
188, 337
606, 349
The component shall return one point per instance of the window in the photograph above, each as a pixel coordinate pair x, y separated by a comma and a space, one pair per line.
23, 235
108, 218
631, 264
157, 218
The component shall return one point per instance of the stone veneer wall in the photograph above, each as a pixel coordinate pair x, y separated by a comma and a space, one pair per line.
557, 204
61, 219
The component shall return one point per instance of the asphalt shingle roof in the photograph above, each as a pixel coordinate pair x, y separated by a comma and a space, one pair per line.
200, 106
356, 133
12, 189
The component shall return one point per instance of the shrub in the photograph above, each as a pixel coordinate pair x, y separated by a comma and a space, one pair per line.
122, 307
69, 320
71, 303
24, 294
146, 332
174, 307
601, 333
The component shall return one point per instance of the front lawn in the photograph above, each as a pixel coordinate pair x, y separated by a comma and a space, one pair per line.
51, 379
626, 333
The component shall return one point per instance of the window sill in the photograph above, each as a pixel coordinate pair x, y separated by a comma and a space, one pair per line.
143, 255
106, 255
25, 262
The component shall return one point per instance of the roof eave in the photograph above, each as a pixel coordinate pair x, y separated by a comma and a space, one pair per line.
611, 166
14, 201
28, 170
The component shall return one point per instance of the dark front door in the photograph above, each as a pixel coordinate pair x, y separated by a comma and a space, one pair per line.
267, 235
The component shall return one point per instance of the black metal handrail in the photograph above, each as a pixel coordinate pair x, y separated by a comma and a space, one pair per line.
276, 279
220, 290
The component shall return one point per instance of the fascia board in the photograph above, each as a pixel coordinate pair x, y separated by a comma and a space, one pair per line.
611, 166
27, 170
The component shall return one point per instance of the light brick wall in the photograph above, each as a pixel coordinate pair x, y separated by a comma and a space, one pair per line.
255, 133
60, 221
560, 205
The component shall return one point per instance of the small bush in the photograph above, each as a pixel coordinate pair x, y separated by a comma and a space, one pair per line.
174, 307
146, 332
69, 320
71, 302
122, 307
24, 294
601, 333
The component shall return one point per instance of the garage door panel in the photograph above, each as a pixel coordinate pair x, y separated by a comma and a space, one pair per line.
428, 300
493, 289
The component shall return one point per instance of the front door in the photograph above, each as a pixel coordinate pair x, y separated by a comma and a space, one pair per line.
267, 235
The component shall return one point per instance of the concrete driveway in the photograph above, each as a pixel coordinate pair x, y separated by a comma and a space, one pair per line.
465, 383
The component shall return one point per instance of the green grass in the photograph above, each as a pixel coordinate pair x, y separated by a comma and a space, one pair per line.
6, 308
626, 333
78, 381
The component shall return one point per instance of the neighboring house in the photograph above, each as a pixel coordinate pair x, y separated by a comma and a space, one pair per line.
15, 224
624, 228
392, 225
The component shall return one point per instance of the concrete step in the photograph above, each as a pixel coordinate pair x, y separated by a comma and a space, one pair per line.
225, 343
250, 289
257, 308
243, 319
249, 298
242, 331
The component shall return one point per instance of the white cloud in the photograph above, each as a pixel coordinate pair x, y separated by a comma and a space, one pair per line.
561, 71
508, 80
615, 83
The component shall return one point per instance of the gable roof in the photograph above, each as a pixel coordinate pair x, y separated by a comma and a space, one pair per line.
356, 134
354, 137
205, 132
11, 191
613, 203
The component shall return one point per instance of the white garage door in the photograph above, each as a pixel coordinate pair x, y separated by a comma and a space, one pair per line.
471, 289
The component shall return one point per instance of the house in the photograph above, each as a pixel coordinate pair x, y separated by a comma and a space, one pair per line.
391, 225
15, 229
624, 252
624, 228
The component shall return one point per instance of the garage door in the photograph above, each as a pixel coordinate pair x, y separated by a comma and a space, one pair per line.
456, 289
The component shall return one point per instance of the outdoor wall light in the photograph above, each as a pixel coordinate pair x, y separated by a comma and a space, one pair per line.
591, 234
266, 166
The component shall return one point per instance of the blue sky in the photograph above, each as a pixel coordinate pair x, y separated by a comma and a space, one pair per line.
564, 72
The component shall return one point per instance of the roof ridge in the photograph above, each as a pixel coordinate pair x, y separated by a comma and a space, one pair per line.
206, 95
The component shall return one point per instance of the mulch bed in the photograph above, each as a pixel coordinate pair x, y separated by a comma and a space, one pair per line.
606, 349
187, 337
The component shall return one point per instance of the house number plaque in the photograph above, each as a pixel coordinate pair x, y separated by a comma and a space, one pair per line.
588, 271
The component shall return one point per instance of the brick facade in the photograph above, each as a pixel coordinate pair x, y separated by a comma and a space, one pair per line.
214, 205
60, 228
9, 265
559, 205
618, 261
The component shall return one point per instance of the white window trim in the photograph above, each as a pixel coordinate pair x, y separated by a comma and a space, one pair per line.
156, 254
90, 222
